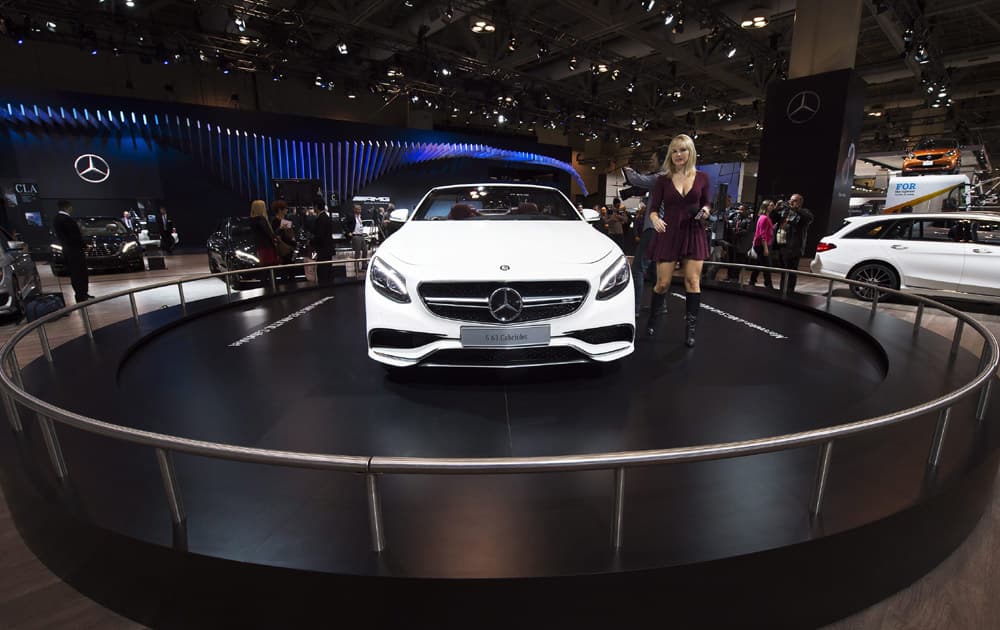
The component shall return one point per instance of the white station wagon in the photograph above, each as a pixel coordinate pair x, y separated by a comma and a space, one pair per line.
950, 254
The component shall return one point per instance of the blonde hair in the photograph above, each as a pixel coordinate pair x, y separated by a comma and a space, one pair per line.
258, 208
682, 140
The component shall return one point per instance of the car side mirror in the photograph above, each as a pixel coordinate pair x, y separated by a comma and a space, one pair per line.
591, 215
400, 215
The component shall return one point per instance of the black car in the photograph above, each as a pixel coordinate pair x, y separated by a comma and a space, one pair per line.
108, 246
234, 247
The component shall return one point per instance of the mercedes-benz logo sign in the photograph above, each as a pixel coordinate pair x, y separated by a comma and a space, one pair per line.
504, 267
92, 168
505, 304
803, 107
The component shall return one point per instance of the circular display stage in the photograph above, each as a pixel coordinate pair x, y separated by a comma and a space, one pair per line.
708, 543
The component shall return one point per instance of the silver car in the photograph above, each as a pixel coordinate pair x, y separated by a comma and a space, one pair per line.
19, 278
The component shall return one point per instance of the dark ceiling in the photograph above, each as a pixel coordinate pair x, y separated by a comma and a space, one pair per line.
607, 72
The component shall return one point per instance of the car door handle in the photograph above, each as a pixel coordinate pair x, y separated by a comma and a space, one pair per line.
982, 251
900, 247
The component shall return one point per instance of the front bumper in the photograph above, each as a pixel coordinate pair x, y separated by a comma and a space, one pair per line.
941, 164
437, 340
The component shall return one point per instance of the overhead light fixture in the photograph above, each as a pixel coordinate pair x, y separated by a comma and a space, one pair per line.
481, 25
240, 22
921, 54
277, 75
415, 98
668, 18
449, 14
501, 119
615, 74
512, 43
318, 81
351, 93
130, 4
444, 71
342, 47
244, 40
731, 52
678, 27
542, 50
755, 17
572, 62
51, 26
602, 67
649, 4
630, 87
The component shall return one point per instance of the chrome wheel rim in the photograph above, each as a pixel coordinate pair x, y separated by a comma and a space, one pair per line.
872, 275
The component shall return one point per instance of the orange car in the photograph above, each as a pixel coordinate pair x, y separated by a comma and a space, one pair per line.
933, 155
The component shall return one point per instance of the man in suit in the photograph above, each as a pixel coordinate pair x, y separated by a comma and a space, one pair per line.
790, 236
643, 184
128, 221
354, 227
323, 245
67, 232
166, 226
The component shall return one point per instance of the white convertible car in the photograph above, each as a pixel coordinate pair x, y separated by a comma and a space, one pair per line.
498, 275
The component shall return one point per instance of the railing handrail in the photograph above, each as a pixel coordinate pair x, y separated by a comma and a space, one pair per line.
425, 465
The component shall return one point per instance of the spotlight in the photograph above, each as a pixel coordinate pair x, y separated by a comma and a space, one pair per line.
678, 25
908, 36
750, 64
602, 67
542, 50
240, 23
130, 4
921, 55
615, 74
512, 43
342, 47
731, 52
51, 26
572, 62
481, 25
501, 119
351, 93
445, 72
448, 15
93, 51
755, 17
318, 81
277, 75
202, 56
408, 4
225, 66
415, 98
630, 87
648, 5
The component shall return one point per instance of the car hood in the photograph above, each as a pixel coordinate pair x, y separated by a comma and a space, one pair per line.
492, 243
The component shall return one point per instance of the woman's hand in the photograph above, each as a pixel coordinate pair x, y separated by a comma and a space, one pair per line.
658, 223
703, 214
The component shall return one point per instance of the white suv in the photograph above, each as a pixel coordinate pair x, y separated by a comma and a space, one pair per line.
954, 254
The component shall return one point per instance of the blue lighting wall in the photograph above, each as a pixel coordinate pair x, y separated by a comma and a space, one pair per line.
246, 161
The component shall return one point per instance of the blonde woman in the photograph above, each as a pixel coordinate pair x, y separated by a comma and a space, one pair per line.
680, 199
263, 234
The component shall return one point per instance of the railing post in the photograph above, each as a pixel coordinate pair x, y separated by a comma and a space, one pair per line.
44, 338
829, 295
86, 322
180, 292
956, 341
15, 369
229, 288
135, 309
785, 279
274, 286
52, 446
919, 318
169, 474
375, 513
618, 519
874, 302
822, 475
984, 399
12, 415
938, 444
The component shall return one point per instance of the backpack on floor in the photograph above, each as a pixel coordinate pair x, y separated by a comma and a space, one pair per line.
43, 304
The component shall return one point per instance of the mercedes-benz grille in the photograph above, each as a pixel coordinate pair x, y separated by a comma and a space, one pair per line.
503, 302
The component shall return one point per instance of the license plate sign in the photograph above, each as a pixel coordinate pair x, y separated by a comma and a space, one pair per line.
928, 162
513, 337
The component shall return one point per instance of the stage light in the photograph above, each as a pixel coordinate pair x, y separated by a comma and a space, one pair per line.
572, 62
731, 52
277, 75
445, 72
649, 4
542, 50
908, 36
93, 51
351, 93
448, 15
668, 18
408, 4
342, 47
630, 87
512, 43
51, 26
130, 4
615, 74
501, 119
240, 22
602, 67
481, 25
678, 25
415, 98
921, 55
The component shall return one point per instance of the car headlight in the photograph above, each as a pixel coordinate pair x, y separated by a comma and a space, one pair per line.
388, 282
127, 247
910, 156
247, 257
950, 153
55, 247
614, 279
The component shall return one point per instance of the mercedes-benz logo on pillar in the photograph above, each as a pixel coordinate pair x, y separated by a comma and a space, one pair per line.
505, 304
803, 107
92, 168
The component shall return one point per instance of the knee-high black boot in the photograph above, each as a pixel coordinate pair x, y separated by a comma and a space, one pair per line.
657, 306
691, 317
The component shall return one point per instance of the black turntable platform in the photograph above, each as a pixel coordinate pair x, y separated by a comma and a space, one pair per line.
723, 542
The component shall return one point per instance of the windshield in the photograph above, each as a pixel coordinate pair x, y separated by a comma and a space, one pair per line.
936, 143
495, 203
101, 226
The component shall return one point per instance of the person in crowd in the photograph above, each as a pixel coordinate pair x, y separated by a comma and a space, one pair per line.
284, 235
354, 227
716, 241
641, 264
790, 239
762, 237
323, 244
461, 211
68, 233
263, 234
309, 219
614, 220
128, 221
166, 227
680, 199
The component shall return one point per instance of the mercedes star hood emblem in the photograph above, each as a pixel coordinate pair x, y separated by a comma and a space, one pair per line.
505, 304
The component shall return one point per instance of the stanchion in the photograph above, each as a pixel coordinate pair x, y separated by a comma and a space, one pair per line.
938, 444
180, 292
822, 475
618, 520
375, 513
135, 309
956, 341
52, 446
169, 474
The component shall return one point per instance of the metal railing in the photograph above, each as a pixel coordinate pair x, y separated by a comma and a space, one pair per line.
14, 395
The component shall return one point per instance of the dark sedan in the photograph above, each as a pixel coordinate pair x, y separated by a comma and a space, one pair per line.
108, 246
234, 247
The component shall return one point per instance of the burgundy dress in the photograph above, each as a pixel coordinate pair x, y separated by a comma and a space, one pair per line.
684, 238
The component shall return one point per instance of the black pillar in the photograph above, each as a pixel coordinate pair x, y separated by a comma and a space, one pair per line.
811, 129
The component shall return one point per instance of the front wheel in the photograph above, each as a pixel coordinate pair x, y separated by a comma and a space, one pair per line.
872, 273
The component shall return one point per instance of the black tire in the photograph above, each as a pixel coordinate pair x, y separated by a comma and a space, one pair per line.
213, 267
234, 282
873, 273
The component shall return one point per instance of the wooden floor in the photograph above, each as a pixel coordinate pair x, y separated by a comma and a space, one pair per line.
961, 593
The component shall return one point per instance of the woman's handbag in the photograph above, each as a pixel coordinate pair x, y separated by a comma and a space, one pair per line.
284, 249
752, 253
